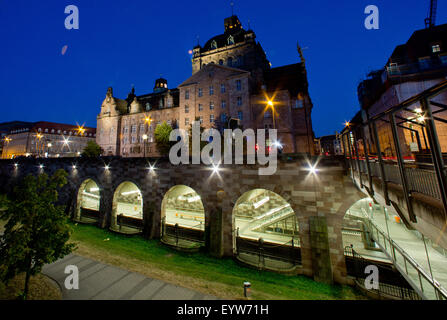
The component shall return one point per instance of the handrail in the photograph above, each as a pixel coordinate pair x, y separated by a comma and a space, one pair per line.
438, 288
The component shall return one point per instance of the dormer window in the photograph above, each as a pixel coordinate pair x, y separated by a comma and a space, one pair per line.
230, 40
214, 44
148, 106
436, 48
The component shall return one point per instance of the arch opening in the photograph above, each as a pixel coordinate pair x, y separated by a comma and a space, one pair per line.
266, 230
127, 209
183, 217
88, 202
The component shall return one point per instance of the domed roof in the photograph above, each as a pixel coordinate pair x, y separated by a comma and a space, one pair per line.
234, 33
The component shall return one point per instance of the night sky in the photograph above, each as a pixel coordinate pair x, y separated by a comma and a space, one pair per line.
125, 43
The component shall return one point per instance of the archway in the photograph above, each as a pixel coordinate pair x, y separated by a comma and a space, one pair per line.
266, 230
183, 217
88, 202
127, 209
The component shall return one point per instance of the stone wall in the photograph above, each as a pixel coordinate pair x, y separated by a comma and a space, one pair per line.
328, 193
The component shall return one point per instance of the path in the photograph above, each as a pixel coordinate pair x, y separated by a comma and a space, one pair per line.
98, 281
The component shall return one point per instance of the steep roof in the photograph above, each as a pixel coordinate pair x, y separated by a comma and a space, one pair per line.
196, 76
291, 77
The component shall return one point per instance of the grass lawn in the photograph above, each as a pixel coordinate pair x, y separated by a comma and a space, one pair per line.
222, 278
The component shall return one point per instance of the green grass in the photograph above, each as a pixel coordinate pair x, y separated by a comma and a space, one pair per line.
205, 271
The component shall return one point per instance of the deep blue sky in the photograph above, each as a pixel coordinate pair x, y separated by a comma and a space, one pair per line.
124, 43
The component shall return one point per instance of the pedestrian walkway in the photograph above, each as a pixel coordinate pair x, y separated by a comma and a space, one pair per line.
410, 241
98, 281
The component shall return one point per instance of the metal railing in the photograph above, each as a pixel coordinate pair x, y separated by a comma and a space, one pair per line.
419, 180
426, 286
390, 284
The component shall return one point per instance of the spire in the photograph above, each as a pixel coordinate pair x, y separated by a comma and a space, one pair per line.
300, 52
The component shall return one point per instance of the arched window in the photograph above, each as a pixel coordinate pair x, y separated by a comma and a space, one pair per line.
221, 62
230, 40
127, 209
214, 44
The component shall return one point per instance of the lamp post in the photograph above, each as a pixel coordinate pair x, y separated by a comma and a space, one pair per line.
49, 146
7, 140
272, 106
144, 144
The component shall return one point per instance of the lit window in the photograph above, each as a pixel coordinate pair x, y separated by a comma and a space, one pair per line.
211, 118
148, 106
230, 40
436, 48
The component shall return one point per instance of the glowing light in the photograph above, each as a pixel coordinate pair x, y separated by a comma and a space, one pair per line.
129, 192
312, 169
215, 168
41, 166
190, 51
144, 136
90, 195
270, 103
421, 119
107, 167
94, 189
49, 145
347, 124
151, 168
418, 110
16, 165
64, 49
74, 167
66, 141
277, 144
256, 205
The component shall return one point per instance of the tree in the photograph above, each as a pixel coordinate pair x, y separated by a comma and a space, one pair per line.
161, 133
92, 149
36, 232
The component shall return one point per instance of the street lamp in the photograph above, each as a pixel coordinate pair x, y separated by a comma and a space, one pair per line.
7, 140
272, 106
144, 145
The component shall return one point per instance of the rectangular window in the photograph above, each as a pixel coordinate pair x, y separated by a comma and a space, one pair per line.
186, 121
240, 115
239, 101
200, 107
186, 109
224, 104
222, 88
238, 85
211, 90
298, 104
141, 127
443, 59
200, 92
211, 118
134, 128
211, 105
186, 94
436, 48
223, 118
201, 119
126, 129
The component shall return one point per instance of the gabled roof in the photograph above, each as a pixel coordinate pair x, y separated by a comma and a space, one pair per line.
209, 67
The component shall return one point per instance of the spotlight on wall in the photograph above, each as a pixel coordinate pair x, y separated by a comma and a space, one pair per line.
41, 166
106, 167
215, 168
16, 165
151, 168
74, 167
312, 169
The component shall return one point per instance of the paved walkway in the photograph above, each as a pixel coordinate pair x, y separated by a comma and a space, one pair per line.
98, 281
409, 240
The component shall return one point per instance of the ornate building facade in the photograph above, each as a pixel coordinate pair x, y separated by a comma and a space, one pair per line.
231, 80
